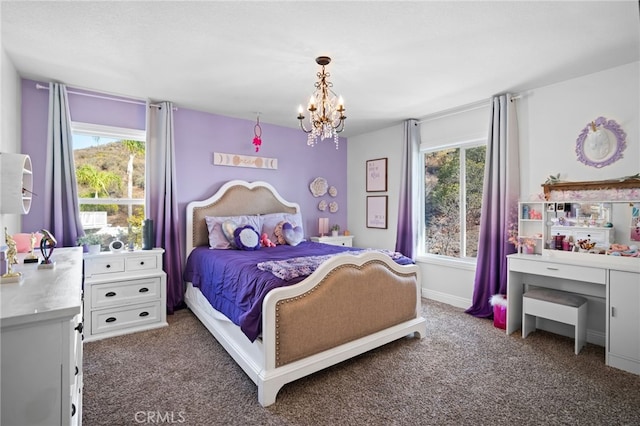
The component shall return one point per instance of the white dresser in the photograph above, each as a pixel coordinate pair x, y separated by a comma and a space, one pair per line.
41, 362
614, 281
340, 240
125, 292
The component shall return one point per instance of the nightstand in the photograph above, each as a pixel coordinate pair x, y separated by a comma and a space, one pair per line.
340, 240
124, 292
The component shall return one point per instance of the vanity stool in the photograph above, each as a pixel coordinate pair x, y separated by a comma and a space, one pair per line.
558, 306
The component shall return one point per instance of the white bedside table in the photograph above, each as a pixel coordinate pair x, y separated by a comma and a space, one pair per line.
340, 240
124, 292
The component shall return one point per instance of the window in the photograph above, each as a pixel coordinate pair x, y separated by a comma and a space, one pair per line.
453, 179
110, 174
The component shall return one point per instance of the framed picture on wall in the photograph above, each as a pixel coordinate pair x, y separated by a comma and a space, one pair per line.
377, 175
377, 211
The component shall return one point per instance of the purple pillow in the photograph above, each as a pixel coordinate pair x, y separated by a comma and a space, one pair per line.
246, 238
217, 238
292, 234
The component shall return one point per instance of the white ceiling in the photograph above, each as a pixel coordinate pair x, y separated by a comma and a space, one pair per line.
391, 60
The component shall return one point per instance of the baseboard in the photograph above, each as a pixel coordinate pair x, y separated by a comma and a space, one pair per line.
593, 336
596, 337
438, 296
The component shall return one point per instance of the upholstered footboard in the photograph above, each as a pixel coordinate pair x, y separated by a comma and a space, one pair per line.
347, 304
350, 305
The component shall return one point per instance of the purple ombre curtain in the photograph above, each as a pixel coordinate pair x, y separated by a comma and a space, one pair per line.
499, 205
406, 235
61, 208
162, 202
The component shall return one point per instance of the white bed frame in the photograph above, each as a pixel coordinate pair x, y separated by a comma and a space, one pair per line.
261, 359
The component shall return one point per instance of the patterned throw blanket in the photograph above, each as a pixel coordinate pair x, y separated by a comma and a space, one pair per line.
289, 269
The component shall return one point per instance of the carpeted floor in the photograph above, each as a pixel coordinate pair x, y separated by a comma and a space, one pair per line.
464, 372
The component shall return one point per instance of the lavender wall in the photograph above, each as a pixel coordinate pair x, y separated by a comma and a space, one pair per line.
35, 111
198, 135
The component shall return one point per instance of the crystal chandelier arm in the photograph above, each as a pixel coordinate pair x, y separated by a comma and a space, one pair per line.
301, 117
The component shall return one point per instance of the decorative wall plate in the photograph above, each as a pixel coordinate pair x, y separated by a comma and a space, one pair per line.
322, 205
318, 187
600, 143
333, 191
333, 207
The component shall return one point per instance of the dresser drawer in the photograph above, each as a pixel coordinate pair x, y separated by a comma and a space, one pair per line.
119, 318
106, 265
600, 237
75, 347
341, 240
141, 263
559, 270
125, 292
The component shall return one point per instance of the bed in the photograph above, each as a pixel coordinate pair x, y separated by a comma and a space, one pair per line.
351, 303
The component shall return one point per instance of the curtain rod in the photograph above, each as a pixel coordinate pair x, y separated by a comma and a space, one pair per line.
109, 98
464, 108
453, 111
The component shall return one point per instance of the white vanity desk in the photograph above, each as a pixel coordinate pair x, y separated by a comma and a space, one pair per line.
611, 285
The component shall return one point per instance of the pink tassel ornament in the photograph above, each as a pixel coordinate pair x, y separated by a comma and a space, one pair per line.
257, 131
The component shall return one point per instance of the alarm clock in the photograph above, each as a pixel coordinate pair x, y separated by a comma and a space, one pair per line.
116, 246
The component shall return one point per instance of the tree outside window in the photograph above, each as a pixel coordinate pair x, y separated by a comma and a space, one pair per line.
453, 200
110, 174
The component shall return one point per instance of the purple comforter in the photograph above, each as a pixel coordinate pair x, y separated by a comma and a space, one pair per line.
233, 284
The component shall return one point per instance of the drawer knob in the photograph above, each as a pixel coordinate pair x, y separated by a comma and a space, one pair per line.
110, 294
110, 319
77, 371
73, 410
142, 263
79, 328
143, 290
144, 314
108, 266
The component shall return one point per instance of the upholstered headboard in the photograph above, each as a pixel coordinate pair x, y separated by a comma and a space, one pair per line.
234, 198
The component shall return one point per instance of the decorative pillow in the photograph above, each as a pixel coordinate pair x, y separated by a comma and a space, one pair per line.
217, 238
246, 238
271, 221
228, 228
23, 242
292, 235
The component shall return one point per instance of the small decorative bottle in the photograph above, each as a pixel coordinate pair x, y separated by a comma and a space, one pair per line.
525, 211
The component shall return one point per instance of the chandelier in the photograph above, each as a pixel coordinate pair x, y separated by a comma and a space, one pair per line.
326, 110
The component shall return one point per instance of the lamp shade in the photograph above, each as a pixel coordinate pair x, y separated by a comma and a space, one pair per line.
17, 183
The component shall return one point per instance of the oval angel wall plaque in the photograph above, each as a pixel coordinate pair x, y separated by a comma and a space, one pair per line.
601, 143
